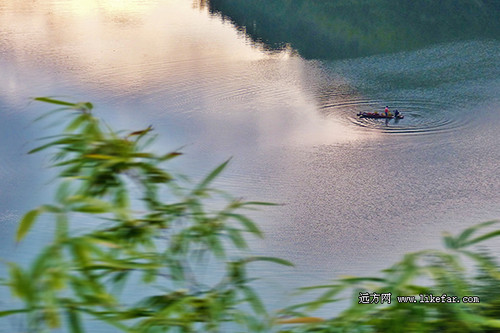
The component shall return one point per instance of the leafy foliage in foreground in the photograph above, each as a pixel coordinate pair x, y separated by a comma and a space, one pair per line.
428, 272
152, 233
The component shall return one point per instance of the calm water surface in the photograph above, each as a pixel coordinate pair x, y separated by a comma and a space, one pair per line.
357, 193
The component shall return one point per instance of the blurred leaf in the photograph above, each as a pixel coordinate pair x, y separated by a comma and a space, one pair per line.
271, 259
11, 312
449, 241
76, 123
85, 204
249, 225
312, 305
54, 101
83, 106
99, 156
26, 223
253, 299
211, 176
259, 203
237, 238
51, 316
115, 265
19, 282
102, 242
300, 320
482, 238
170, 156
463, 239
155, 224
215, 245
75, 323
142, 132
484, 321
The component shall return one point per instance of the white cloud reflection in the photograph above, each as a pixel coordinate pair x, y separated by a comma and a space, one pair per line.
168, 54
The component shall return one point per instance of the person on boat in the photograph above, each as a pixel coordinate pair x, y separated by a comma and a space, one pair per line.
386, 111
396, 113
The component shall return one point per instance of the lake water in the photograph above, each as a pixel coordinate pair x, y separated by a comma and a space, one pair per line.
356, 193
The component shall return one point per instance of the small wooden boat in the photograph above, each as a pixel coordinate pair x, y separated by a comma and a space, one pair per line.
377, 115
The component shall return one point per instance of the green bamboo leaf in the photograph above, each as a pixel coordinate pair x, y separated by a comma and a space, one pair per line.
300, 320
464, 235
271, 259
99, 156
249, 225
322, 286
109, 244
119, 281
37, 149
63, 191
484, 262
84, 204
49, 257
149, 276
143, 155
109, 318
51, 209
260, 203
19, 283
353, 279
75, 323
83, 106
310, 305
484, 321
449, 241
237, 238
482, 238
122, 265
75, 124
91, 209
215, 245
253, 299
51, 316
211, 176
11, 312
65, 140
81, 253
26, 223
121, 199
53, 101
328, 296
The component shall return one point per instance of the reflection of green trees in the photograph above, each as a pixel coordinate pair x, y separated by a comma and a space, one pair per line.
347, 28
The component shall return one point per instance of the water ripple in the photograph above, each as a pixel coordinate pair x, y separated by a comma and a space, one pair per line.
420, 116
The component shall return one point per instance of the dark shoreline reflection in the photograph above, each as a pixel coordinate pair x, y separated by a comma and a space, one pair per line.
325, 29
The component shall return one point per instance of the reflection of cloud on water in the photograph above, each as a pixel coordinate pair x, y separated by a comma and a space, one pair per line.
118, 45
267, 105
167, 54
305, 126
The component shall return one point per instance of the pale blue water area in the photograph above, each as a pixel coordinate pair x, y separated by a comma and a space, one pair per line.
356, 193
